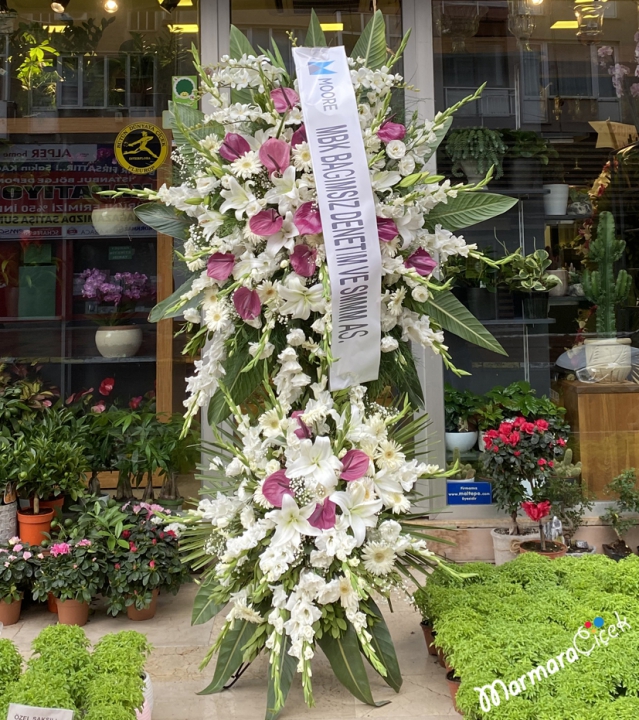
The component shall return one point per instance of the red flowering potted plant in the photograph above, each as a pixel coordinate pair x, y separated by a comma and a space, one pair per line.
519, 460
18, 565
151, 563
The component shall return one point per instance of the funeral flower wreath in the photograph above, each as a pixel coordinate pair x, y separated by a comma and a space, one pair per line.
310, 513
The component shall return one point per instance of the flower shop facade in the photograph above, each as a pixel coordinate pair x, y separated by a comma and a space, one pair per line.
557, 120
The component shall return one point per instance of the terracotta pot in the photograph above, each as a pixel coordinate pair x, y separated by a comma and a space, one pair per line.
453, 686
33, 529
535, 546
442, 659
52, 604
429, 636
146, 614
72, 612
10, 612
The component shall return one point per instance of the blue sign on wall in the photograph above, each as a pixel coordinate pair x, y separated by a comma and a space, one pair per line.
468, 492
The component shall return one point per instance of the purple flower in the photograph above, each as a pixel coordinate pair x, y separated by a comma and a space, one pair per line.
266, 223
299, 136
284, 99
634, 90
247, 303
307, 219
303, 260
303, 432
354, 465
275, 487
386, 229
233, 147
391, 131
421, 262
275, 155
323, 516
220, 266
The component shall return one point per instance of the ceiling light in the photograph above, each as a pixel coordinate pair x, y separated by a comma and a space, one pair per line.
59, 6
565, 25
536, 2
332, 27
184, 28
110, 6
169, 5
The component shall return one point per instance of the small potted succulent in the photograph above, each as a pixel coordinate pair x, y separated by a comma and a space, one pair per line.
621, 515
461, 427
18, 563
473, 151
527, 275
74, 573
527, 153
151, 563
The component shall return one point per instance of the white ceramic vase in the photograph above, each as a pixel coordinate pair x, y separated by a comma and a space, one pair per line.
556, 201
608, 359
113, 220
117, 341
471, 172
561, 288
462, 441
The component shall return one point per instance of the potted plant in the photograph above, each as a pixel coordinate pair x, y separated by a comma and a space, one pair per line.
475, 284
527, 152
527, 276
519, 398
538, 511
179, 453
119, 295
489, 414
570, 501
557, 191
473, 151
462, 471
151, 563
10, 664
73, 573
459, 408
519, 459
608, 358
17, 568
620, 515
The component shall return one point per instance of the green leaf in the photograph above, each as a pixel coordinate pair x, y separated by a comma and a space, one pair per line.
468, 208
345, 657
315, 36
384, 649
440, 134
447, 311
161, 310
239, 45
164, 219
286, 666
372, 43
204, 608
230, 656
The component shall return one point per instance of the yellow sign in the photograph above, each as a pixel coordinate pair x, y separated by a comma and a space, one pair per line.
141, 148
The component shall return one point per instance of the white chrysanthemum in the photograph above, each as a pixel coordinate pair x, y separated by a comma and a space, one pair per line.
295, 337
389, 456
247, 165
396, 149
389, 344
271, 423
302, 157
378, 559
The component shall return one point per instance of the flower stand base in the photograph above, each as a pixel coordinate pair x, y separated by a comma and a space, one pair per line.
147, 613
10, 612
72, 612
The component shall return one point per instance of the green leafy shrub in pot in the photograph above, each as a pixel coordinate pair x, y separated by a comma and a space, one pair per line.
519, 398
125, 691
18, 565
527, 273
110, 712
624, 486
485, 148
460, 407
10, 664
122, 653
528, 144
38, 688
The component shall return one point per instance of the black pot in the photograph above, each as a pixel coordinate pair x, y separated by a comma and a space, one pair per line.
481, 303
614, 553
534, 305
523, 173
505, 304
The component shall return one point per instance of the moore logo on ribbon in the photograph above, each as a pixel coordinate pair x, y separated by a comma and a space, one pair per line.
347, 208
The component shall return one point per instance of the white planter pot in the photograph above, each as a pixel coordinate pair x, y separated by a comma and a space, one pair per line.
562, 288
113, 220
146, 712
462, 441
118, 340
8, 521
556, 201
506, 546
471, 172
608, 359
481, 441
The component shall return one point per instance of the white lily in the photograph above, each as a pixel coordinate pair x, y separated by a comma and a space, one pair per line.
299, 300
291, 522
284, 238
360, 507
285, 191
384, 180
316, 462
239, 198
210, 221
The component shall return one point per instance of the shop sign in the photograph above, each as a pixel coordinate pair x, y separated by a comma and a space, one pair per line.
468, 492
185, 89
27, 712
141, 148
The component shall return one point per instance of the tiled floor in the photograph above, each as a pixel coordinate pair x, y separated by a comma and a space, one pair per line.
179, 649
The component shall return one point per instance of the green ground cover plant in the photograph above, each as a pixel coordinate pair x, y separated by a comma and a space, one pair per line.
502, 622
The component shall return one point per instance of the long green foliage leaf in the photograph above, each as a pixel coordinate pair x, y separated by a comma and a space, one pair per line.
372, 43
286, 666
230, 656
384, 649
162, 310
164, 219
447, 311
345, 657
468, 208
315, 36
204, 608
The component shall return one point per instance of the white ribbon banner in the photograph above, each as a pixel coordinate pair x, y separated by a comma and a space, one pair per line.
347, 207
27, 712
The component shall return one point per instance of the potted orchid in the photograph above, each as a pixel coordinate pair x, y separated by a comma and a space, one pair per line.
18, 563
74, 573
519, 459
119, 295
